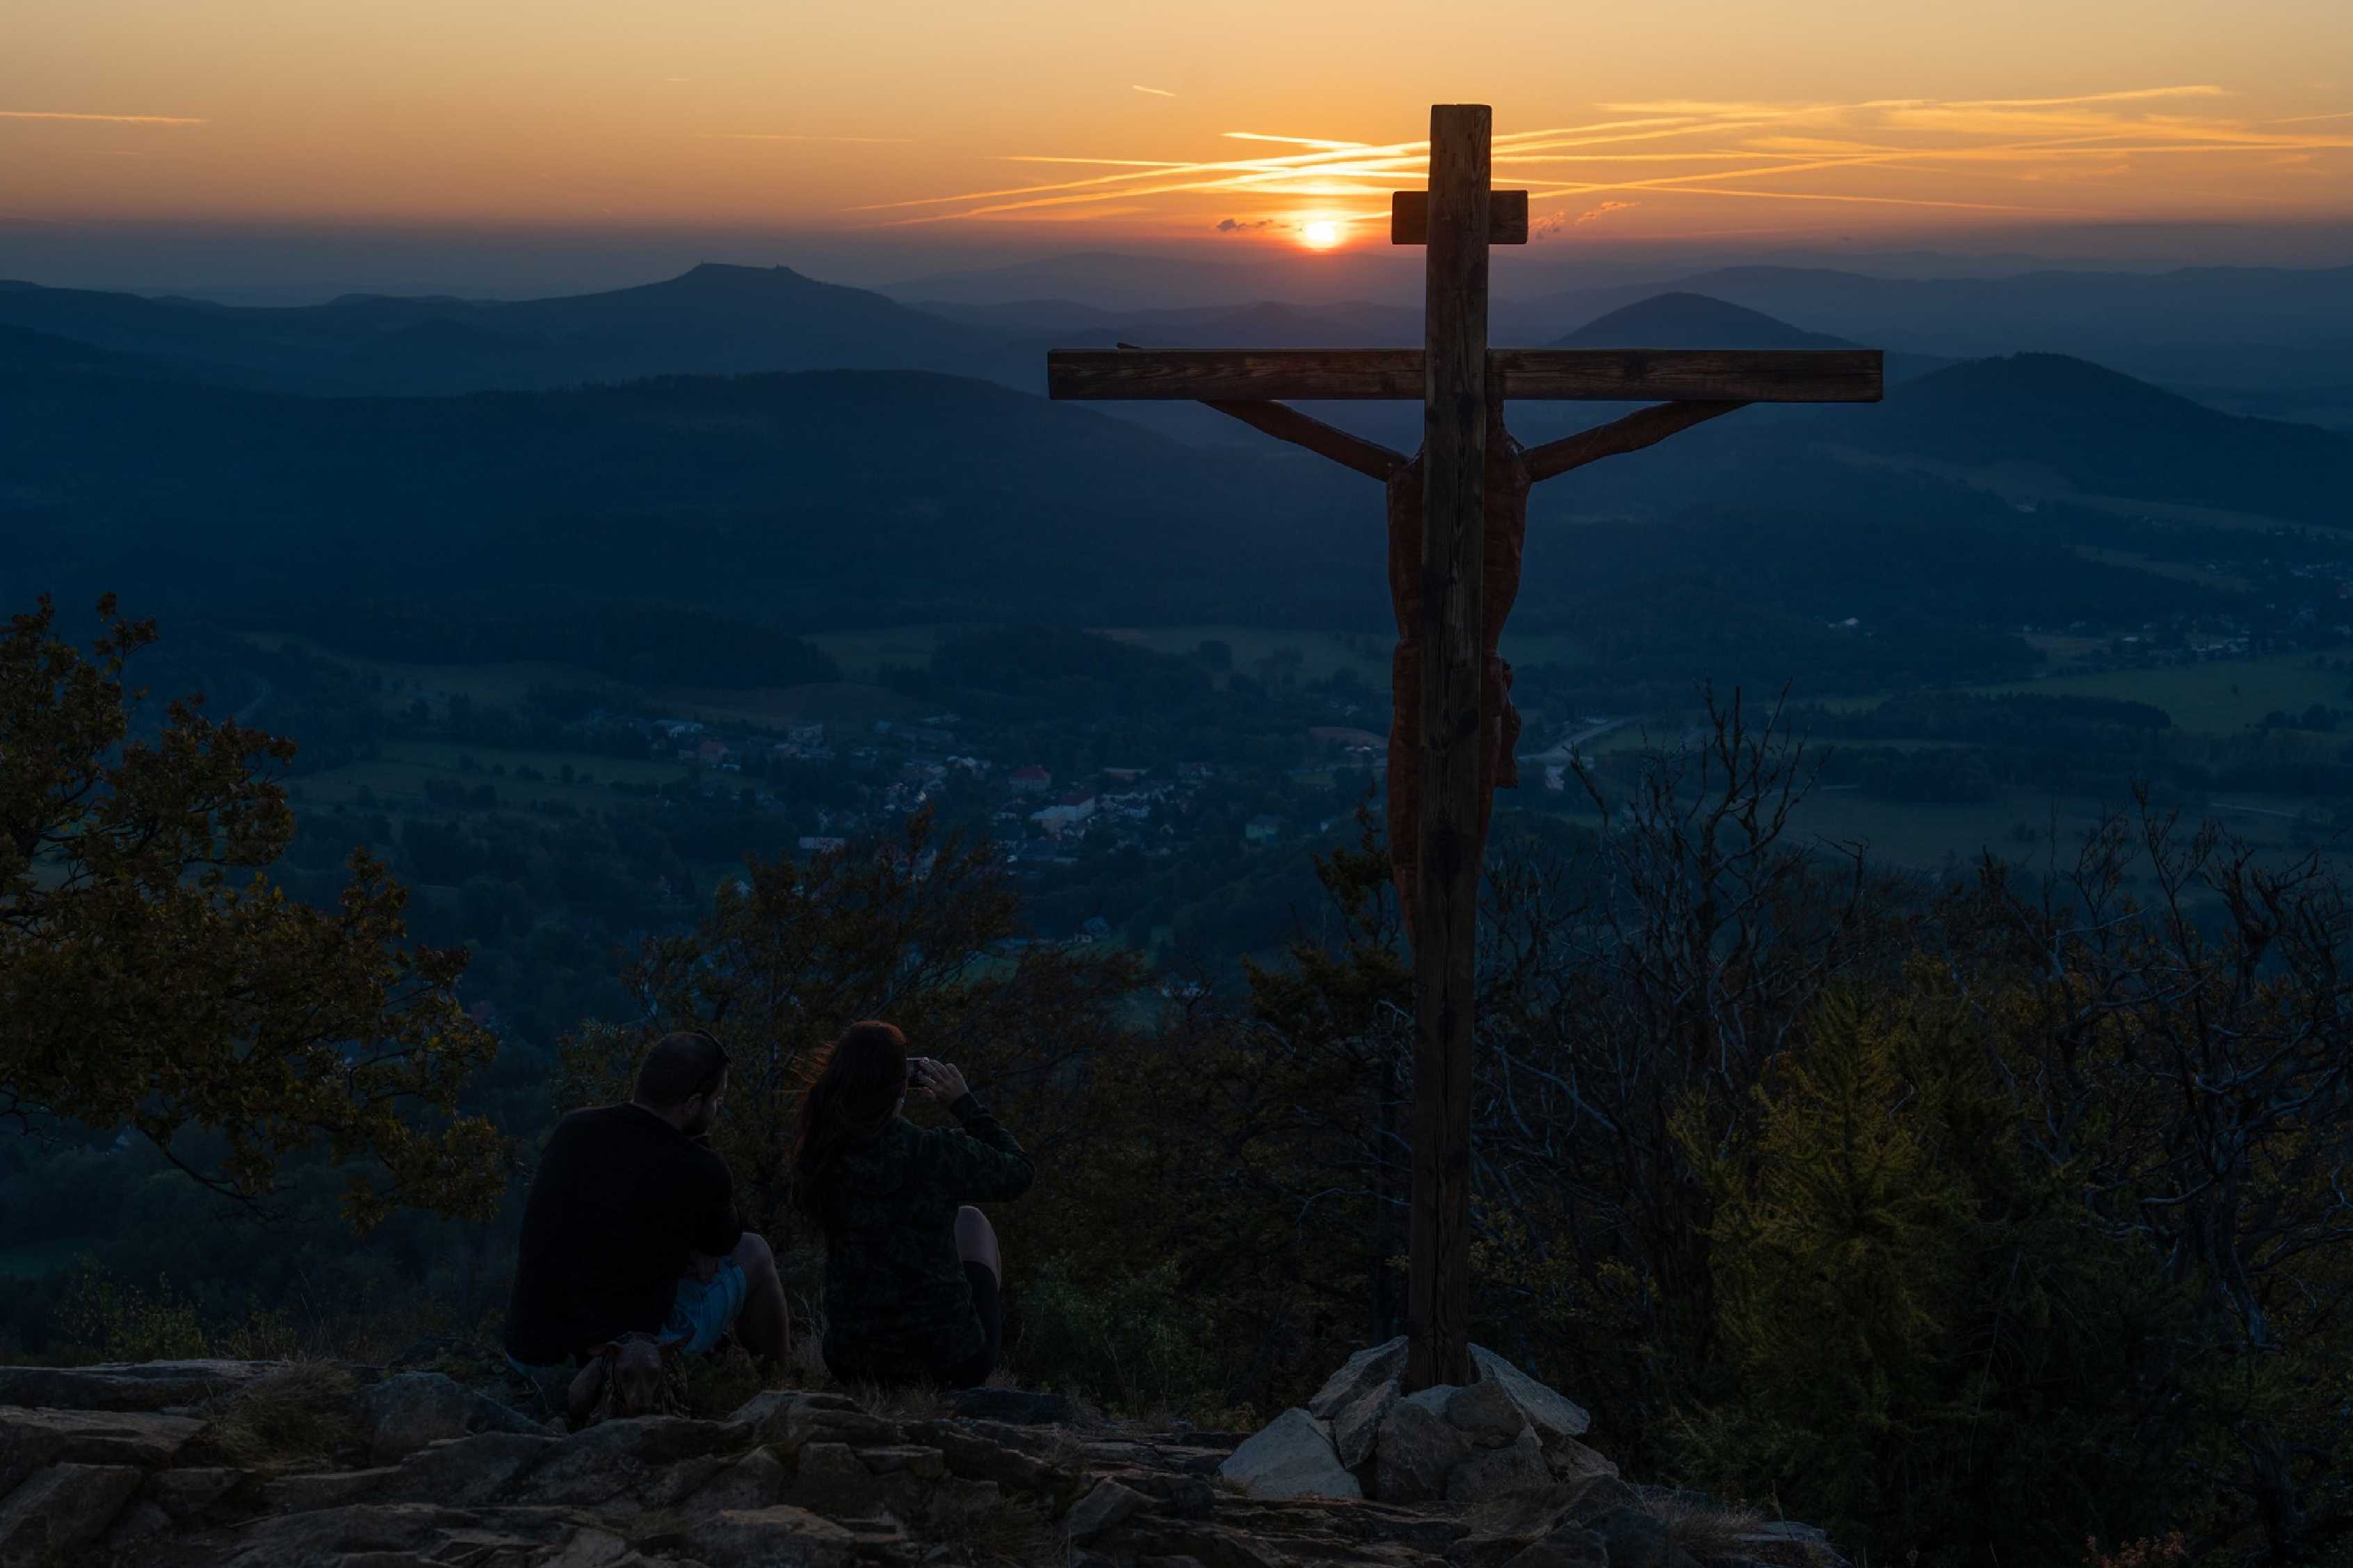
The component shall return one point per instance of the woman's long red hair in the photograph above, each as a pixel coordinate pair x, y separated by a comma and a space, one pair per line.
859, 1079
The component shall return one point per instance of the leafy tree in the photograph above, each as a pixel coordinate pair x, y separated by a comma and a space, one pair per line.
150, 983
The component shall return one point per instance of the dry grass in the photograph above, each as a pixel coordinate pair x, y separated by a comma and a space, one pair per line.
298, 1415
1069, 1451
1709, 1530
901, 1402
806, 1354
1524, 1514
717, 1385
1013, 1533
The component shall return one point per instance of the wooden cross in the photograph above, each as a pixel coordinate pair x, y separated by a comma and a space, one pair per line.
1458, 517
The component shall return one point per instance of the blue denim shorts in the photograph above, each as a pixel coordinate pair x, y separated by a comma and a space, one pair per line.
699, 1314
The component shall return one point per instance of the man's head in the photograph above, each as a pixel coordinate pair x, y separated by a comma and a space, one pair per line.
683, 1078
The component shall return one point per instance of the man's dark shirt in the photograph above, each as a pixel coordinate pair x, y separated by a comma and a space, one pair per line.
621, 1200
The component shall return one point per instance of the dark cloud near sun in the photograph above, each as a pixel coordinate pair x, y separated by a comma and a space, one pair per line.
1240, 225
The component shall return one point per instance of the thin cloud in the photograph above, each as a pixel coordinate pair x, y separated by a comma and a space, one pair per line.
2201, 90
101, 119
1723, 149
1287, 140
1604, 210
2308, 119
1154, 91
791, 136
1237, 225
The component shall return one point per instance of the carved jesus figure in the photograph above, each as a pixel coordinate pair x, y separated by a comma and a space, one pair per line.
1512, 470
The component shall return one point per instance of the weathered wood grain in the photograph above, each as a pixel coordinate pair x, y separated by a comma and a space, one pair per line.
1285, 423
1611, 375
1507, 217
1455, 403
1694, 376
1643, 427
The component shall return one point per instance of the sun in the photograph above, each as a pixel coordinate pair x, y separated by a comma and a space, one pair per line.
1322, 234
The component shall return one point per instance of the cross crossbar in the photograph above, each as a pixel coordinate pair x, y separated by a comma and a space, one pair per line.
1604, 375
1507, 217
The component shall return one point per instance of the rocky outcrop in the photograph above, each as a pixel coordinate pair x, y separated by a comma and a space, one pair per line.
1293, 1457
405, 1411
424, 1474
1502, 1433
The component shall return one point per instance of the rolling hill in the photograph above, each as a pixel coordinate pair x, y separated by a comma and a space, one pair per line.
816, 500
2107, 434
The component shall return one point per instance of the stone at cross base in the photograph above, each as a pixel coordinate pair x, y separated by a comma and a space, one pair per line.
1360, 1436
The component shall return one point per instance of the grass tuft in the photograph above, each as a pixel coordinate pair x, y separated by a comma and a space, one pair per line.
298, 1415
1522, 1514
1708, 1529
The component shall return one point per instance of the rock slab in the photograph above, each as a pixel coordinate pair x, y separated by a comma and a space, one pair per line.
56, 1512
1293, 1457
1552, 1415
128, 1385
405, 1411
1417, 1449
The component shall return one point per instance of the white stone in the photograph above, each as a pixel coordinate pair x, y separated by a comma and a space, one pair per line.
1363, 1371
1551, 1414
1294, 1456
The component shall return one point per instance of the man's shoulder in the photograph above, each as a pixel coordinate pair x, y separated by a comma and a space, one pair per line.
591, 1121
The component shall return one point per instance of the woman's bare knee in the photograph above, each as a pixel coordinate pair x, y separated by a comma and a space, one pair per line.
976, 1239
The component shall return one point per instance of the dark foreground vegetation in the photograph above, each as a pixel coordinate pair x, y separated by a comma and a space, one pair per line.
1978, 1218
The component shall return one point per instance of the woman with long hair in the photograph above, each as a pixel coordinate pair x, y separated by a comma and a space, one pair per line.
912, 1269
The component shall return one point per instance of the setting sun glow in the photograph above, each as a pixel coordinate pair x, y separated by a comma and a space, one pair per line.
1322, 234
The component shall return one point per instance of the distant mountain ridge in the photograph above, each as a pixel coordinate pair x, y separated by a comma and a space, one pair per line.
1681, 319
711, 320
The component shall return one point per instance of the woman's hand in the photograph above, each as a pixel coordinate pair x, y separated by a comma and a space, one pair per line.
942, 1081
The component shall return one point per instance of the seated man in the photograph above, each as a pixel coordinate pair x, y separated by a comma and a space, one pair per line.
630, 1233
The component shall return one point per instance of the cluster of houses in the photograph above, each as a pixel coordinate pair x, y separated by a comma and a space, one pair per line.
1040, 819
1114, 800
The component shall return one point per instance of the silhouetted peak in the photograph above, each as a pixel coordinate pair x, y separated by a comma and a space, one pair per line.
1681, 319
716, 276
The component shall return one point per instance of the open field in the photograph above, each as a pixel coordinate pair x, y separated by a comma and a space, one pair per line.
863, 655
2215, 697
773, 706
398, 777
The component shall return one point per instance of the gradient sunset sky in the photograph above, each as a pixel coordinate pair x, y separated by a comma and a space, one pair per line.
1053, 123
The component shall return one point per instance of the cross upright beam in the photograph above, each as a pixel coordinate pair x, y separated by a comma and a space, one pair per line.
1457, 524
1454, 408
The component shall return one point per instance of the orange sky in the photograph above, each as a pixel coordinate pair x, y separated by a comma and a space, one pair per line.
1676, 117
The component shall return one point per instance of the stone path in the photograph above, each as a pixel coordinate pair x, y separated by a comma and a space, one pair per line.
167, 1465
